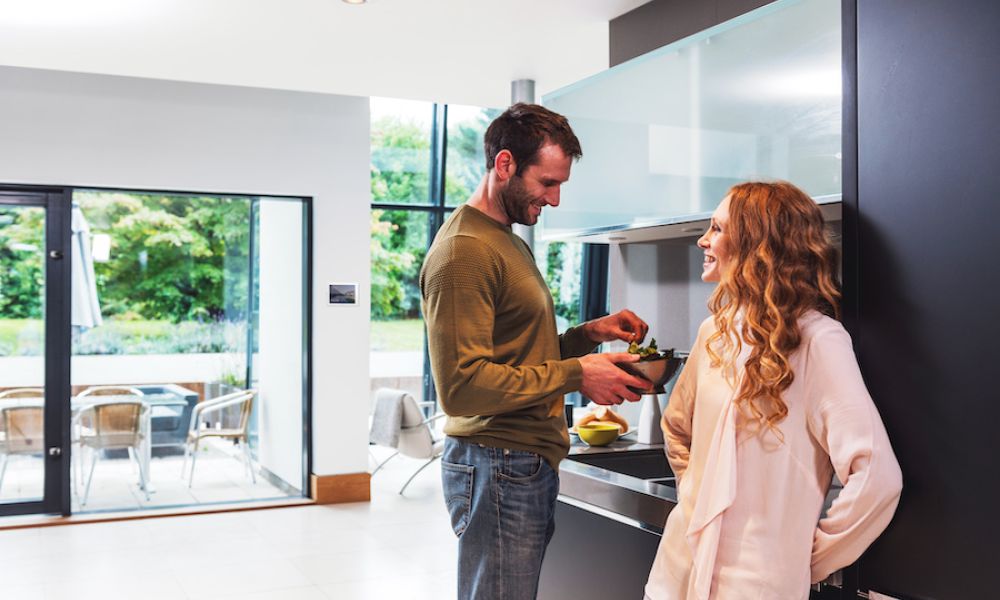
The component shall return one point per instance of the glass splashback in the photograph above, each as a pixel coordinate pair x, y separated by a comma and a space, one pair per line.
667, 134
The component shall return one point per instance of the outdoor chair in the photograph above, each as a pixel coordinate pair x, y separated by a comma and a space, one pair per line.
110, 390
239, 434
23, 393
112, 425
23, 433
398, 410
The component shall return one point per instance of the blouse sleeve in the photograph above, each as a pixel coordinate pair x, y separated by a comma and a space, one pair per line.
679, 413
847, 425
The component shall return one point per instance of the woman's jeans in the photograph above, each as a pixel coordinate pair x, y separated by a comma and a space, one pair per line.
502, 504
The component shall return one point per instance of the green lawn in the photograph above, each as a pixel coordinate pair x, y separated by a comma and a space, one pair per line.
24, 336
17, 332
403, 335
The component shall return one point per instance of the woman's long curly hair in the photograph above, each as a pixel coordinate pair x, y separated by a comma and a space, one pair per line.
781, 264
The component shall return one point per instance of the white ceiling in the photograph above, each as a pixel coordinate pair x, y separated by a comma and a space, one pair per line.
454, 51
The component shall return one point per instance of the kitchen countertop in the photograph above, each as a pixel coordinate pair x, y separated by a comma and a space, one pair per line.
625, 443
621, 497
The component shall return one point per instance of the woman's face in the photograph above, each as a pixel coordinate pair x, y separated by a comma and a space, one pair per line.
715, 243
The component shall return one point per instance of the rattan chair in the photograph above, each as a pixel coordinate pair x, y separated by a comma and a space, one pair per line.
23, 393
110, 390
112, 425
239, 434
23, 432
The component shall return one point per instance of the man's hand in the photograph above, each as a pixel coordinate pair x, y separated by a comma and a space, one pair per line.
624, 325
605, 383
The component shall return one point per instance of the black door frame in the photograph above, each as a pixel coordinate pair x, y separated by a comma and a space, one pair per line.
56, 494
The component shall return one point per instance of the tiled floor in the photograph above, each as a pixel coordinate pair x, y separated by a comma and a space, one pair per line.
393, 547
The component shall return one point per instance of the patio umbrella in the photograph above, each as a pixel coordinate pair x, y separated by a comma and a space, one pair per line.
86, 311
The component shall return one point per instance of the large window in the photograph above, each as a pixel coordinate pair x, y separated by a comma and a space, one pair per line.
426, 159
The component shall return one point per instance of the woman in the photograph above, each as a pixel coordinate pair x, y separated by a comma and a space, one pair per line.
769, 407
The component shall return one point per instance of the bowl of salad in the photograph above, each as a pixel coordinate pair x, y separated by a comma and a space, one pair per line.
655, 366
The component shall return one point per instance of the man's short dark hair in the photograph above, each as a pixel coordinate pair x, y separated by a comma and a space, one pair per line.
523, 129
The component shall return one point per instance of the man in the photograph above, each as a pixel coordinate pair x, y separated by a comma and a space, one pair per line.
500, 367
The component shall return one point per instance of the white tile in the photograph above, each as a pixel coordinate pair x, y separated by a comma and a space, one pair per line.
354, 565
211, 580
298, 593
34, 591
390, 587
431, 559
354, 539
393, 547
123, 586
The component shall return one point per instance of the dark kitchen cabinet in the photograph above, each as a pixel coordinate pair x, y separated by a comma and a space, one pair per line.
922, 278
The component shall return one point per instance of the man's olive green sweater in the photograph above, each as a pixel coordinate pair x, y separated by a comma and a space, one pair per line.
500, 367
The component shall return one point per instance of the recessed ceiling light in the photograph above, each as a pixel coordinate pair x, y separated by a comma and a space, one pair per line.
355, 1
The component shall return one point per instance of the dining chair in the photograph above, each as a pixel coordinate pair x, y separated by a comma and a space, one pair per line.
112, 425
110, 390
198, 431
23, 393
23, 433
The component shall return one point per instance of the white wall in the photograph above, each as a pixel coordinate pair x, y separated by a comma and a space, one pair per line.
94, 130
661, 282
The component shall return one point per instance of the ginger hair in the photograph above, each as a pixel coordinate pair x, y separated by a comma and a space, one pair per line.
782, 264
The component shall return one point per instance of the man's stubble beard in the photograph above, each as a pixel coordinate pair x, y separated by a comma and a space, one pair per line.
517, 203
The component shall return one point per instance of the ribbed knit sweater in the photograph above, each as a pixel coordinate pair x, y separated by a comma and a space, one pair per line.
498, 363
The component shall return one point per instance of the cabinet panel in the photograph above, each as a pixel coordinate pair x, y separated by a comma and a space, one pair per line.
928, 287
668, 133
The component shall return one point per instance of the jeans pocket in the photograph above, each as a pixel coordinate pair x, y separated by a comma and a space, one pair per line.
457, 483
519, 465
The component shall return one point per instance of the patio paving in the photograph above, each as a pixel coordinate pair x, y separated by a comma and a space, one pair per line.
220, 476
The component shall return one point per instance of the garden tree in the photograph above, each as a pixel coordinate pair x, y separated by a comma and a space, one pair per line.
390, 269
399, 175
466, 158
555, 264
400, 166
22, 247
175, 258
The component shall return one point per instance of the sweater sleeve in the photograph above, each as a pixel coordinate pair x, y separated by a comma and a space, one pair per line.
679, 414
574, 342
847, 425
460, 284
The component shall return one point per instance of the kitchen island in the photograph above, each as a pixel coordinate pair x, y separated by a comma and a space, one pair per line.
613, 502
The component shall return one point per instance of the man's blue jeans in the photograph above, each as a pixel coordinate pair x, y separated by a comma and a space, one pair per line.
502, 504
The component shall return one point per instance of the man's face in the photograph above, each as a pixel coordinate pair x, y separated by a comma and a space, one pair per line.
538, 185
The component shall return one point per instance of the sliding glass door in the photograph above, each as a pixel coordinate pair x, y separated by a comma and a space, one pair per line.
154, 349
34, 340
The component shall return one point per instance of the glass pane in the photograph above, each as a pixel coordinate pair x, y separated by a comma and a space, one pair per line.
276, 429
162, 320
668, 133
401, 151
466, 160
22, 347
560, 264
399, 244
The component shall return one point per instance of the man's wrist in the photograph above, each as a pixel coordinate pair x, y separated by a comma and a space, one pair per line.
590, 330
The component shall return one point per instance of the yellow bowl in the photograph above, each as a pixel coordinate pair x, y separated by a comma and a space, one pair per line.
598, 434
